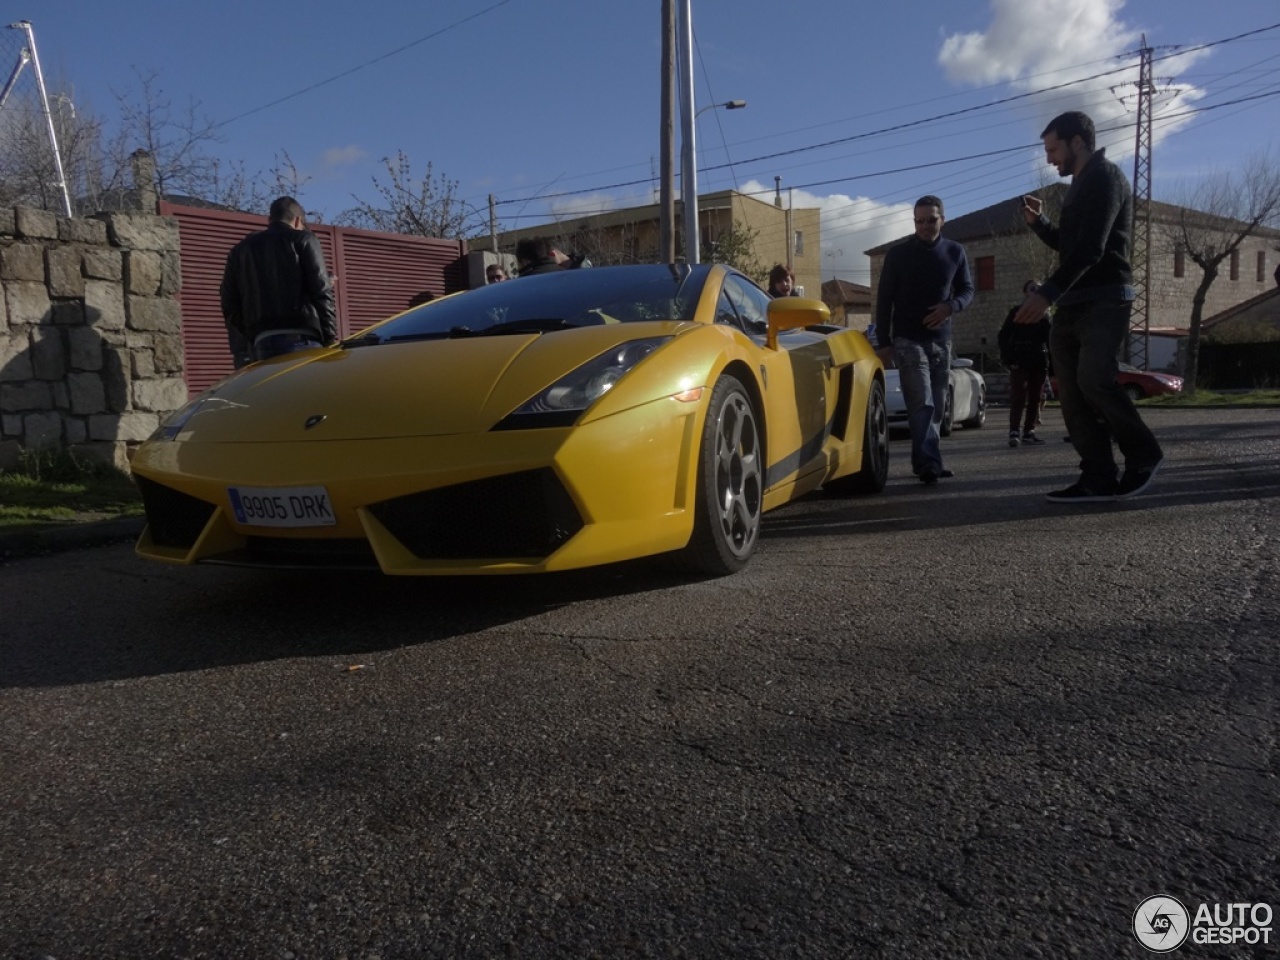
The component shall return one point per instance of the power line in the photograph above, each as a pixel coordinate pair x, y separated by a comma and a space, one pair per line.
1013, 98
365, 64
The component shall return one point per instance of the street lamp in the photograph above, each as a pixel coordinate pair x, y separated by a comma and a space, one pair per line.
689, 179
728, 105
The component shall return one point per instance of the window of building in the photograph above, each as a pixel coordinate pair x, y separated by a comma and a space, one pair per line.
799, 243
1179, 262
1235, 264
1262, 266
985, 269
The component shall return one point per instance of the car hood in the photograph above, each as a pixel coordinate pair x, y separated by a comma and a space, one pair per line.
425, 388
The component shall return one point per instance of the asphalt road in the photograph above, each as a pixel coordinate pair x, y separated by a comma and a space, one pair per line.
942, 722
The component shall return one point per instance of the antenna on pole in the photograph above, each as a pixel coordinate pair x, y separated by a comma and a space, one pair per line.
1140, 321
29, 53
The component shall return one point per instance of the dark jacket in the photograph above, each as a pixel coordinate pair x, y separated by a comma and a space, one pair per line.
1024, 345
1092, 237
545, 265
276, 280
915, 277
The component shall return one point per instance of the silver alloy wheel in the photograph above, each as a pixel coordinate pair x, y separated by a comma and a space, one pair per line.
739, 480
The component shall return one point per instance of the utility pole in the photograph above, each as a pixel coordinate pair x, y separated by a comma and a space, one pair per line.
688, 144
666, 190
493, 224
1140, 322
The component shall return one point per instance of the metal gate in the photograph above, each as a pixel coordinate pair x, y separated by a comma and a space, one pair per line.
375, 275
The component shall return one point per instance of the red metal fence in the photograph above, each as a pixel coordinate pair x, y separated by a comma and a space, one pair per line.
375, 276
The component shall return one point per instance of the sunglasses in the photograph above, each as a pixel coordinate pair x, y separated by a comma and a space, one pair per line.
929, 220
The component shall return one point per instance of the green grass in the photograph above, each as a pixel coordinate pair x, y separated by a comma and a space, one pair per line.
58, 487
1210, 398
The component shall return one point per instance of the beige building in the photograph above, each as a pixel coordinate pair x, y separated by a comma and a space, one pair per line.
1004, 254
632, 235
850, 303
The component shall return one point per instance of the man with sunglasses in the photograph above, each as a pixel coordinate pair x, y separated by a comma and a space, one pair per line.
925, 281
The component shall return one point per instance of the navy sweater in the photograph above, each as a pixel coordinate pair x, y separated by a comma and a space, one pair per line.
916, 277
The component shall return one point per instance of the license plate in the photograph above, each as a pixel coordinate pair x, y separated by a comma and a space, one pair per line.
282, 506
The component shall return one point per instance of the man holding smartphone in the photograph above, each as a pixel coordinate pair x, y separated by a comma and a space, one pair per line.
1093, 292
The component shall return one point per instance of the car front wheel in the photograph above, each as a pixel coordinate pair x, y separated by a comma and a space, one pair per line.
1134, 391
730, 494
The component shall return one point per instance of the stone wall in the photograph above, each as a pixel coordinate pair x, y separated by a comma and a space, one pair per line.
91, 353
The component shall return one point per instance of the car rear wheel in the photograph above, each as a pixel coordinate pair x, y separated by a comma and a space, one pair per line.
730, 494
875, 450
1134, 391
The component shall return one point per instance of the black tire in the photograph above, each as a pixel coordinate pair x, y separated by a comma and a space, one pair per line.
980, 418
730, 494
875, 451
948, 412
1134, 391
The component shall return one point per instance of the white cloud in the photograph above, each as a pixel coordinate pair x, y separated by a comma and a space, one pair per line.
1033, 48
850, 225
342, 157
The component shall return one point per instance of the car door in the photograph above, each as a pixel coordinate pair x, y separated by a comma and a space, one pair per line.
798, 383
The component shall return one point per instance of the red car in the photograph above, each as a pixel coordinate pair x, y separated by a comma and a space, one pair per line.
1139, 384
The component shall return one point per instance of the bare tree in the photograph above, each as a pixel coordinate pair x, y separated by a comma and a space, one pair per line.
28, 173
1214, 219
737, 248
97, 156
427, 207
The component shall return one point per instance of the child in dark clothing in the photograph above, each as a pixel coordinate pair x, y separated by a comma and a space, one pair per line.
1024, 349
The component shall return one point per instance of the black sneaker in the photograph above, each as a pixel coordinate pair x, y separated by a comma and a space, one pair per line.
945, 474
1080, 492
1135, 481
928, 476
1031, 438
1013, 438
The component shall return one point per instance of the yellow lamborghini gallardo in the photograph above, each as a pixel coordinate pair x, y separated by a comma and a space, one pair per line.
551, 422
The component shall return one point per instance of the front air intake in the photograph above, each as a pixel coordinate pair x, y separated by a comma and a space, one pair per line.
526, 515
173, 518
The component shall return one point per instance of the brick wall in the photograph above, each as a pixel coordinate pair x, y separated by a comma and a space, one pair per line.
90, 332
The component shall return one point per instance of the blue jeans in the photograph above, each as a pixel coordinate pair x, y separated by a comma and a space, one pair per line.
278, 343
1084, 341
924, 370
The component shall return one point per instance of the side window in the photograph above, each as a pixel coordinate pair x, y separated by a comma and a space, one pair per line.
725, 313
751, 304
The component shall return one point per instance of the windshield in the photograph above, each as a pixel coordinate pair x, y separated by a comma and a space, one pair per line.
549, 302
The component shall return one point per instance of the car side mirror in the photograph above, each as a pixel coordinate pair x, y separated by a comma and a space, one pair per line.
792, 313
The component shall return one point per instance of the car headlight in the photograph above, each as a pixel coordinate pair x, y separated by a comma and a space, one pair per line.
562, 402
172, 425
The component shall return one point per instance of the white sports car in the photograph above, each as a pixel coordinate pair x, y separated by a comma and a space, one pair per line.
966, 400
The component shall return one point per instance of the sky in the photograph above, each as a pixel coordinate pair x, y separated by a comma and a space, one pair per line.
552, 107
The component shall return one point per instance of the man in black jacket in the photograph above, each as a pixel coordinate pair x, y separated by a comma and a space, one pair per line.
1093, 291
276, 294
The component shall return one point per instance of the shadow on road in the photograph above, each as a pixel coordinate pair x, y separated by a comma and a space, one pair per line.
186, 619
